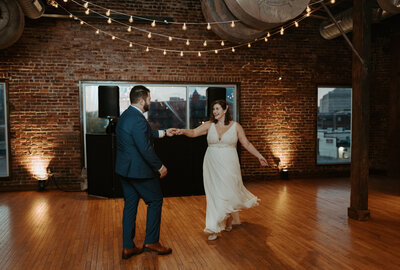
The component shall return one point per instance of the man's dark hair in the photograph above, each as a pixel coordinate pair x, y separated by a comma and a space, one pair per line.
138, 92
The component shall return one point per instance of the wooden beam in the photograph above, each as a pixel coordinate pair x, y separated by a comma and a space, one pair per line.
360, 110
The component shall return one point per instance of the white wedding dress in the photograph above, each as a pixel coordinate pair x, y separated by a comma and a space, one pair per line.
223, 184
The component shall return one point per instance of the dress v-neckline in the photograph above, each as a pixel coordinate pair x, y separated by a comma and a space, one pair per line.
216, 130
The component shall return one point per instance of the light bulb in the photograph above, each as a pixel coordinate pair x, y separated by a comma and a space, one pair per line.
108, 12
87, 11
149, 35
71, 16
222, 43
282, 30
308, 14
113, 37
65, 1
81, 22
165, 52
109, 21
333, 2
296, 24
181, 53
85, 5
129, 28
170, 38
266, 39
308, 9
153, 24
205, 43
232, 24
233, 49
130, 44
249, 45
187, 42
147, 49
199, 54
184, 26
268, 35
216, 51
97, 31
130, 19
208, 26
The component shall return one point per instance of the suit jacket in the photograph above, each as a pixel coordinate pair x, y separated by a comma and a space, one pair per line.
135, 154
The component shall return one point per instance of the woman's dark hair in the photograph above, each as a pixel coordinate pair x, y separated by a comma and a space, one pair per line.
223, 104
138, 92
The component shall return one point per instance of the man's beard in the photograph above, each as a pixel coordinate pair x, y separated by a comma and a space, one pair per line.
146, 107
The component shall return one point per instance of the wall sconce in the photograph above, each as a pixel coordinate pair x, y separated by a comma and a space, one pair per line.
285, 174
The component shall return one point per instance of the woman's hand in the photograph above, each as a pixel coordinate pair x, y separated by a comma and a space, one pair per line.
263, 161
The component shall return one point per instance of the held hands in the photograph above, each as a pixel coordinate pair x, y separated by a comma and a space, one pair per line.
173, 131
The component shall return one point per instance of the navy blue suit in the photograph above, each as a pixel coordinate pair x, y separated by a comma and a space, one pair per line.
137, 165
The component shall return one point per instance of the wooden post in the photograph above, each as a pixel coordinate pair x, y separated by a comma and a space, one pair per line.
360, 111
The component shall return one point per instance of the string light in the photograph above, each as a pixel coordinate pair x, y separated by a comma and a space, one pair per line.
71, 16
199, 54
184, 27
233, 49
266, 39
109, 21
333, 2
216, 51
222, 43
81, 22
130, 44
181, 53
153, 24
205, 43
282, 31
113, 37
187, 42
130, 19
97, 31
65, 1
149, 35
232, 24
208, 26
85, 5
108, 13
87, 11
296, 24
130, 29
249, 45
165, 52
268, 35
147, 49
308, 9
170, 38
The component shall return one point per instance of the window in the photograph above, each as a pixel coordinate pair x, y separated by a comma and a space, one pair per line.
334, 125
4, 170
179, 106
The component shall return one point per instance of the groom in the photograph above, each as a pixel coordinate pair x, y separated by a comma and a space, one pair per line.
140, 171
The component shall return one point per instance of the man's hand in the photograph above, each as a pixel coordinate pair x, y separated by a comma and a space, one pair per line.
163, 171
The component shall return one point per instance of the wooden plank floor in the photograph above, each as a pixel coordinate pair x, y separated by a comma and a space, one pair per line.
300, 224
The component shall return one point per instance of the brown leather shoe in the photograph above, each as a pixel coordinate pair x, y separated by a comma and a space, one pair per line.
129, 252
157, 248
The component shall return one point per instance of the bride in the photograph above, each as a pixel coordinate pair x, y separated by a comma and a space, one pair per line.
225, 192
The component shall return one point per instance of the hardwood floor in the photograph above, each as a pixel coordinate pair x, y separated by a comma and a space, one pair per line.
300, 224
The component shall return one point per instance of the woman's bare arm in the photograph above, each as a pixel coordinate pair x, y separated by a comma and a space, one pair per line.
199, 131
249, 146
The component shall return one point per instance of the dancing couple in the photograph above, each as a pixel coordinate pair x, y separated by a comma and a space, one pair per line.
140, 169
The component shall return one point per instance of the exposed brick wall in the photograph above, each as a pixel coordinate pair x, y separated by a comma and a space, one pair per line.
44, 68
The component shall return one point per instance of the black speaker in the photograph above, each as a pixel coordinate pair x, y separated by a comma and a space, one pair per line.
108, 101
213, 94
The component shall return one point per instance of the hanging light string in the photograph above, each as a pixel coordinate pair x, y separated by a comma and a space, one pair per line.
130, 27
277, 31
152, 20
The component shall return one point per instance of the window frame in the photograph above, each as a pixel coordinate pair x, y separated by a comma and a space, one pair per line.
6, 130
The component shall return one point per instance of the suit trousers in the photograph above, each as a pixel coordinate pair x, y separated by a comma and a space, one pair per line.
150, 191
